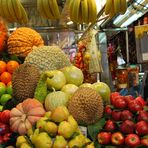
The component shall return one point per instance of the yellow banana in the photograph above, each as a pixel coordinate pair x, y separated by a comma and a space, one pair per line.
1, 10
55, 9
17, 9
117, 6
40, 8
80, 19
76, 7
84, 8
24, 19
123, 8
112, 11
108, 6
46, 9
94, 12
11, 10
71, 10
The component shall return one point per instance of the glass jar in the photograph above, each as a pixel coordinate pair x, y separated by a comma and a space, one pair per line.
122, 77
133, 75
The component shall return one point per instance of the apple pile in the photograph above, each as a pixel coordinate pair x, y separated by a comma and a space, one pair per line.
126, 122
6, 71
5, 131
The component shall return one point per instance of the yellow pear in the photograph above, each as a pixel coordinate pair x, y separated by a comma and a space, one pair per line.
60, 114
30, 132
25, 145
20, 140
73, 122
51, 128
48, 115
41, 122
65, 129
90, 145
59, 142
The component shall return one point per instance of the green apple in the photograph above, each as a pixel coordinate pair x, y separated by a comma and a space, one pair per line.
69, 89
104, 91
9, 89
55, 79
4, 98
73, 75
86, 85
2, 88
1, 108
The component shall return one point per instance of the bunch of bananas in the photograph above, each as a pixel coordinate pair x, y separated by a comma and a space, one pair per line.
48, 9
114, 7
83, 11
13, 11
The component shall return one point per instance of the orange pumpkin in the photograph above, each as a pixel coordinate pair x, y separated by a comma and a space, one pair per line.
22, 40
25, 115
3, 34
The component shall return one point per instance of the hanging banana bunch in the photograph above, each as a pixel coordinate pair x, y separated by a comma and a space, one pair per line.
48, 9
114, 7
13, 11
83, 11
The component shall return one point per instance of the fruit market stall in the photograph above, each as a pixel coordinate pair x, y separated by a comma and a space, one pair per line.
48, 100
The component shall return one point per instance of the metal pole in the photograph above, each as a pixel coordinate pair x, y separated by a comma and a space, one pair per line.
127, 47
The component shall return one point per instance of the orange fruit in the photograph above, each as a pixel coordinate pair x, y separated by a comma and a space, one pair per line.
6, 77
2, 67
9, 83
11, 66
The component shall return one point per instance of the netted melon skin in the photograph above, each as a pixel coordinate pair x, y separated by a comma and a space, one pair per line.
48, 58
86, 106
24, 82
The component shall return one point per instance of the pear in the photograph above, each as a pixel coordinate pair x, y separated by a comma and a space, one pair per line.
29, 132
25, 145
48, 115
41, 122
60, 114
78, 141
34, 136
65, 129
51, 128
20, 140
59, 142
73, 122
91, 145
43, 141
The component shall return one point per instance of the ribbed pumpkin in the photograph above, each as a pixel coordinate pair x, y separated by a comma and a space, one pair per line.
25, 114
3, 34
22, 40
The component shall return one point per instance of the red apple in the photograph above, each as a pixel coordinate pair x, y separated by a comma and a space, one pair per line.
5, 116
126, 115
113, 97
108, 110
3, 128
109, 126
144, 142
143, 116
132, 140
142, 128
120, 102
128, 99
135, 106
141, 100
117, 138
104, 138
116, 115
127, 127
6, 137
1, 139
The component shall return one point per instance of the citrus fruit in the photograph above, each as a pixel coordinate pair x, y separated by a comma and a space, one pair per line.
9, 89
9, 83
11, 66
2, 88
5, 77
2, 67
4, 98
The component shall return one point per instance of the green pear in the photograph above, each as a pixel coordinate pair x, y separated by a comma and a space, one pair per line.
65, 129
59, 142
78, 141
73, 122
41, 122
48, 115
60, 114
43, 141
51, 128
